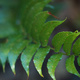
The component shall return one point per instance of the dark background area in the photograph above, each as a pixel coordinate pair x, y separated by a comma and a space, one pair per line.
61, 9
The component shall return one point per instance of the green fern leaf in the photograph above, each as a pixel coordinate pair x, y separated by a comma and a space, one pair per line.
68, 42
23, 6
31, 15
47, 30
78, 60
27, 55
15, 52
37, 23
5, 48
70, 65
25, 9
52, 64
39, 58
59, 39
76, 47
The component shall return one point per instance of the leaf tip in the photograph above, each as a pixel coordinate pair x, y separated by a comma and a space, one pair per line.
40, 73
13, 69
3, 68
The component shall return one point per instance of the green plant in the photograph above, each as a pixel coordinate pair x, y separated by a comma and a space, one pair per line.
31, 36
